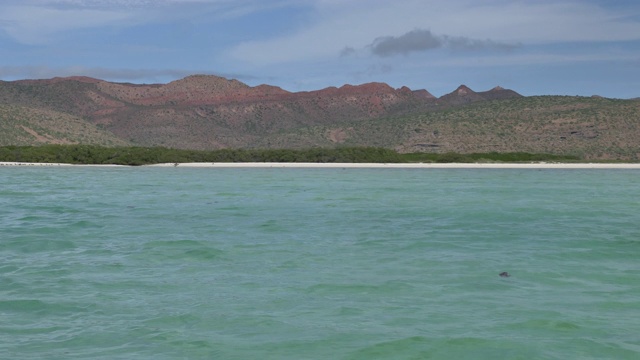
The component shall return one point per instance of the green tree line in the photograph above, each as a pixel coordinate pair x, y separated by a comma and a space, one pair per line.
90, 154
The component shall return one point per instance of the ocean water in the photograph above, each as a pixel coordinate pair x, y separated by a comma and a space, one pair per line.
194, 263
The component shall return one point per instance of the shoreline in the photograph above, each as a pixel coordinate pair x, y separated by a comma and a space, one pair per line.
27, 164
540, 165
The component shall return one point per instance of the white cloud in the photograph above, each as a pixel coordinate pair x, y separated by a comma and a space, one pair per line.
357, 23
38, 21
530, 60
34, 25
159, 75
548, 22
114, 3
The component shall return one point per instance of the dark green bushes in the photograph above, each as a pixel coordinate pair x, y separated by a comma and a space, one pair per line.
513, 157
88, 154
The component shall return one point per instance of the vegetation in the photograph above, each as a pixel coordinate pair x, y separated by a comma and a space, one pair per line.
517, 157
213, 116
89, 154
20, 125
596, 129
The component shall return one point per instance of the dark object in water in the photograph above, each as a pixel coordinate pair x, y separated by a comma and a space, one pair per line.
504, 274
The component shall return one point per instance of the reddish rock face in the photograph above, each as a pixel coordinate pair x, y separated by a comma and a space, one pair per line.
423, 94
201, 111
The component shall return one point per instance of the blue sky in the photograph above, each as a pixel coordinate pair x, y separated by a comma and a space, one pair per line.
536, 47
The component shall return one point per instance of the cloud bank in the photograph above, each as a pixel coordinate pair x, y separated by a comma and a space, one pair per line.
316, 43
38, 22
336, 27
423, 40
416, 40
160, 75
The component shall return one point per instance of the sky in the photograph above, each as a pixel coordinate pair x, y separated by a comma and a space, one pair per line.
535, 47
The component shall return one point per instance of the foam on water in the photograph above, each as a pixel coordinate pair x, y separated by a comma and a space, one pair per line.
165, 263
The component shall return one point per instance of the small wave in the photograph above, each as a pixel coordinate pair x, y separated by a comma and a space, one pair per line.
35, 306
189, 250
389, 287
544, 324
420, 347
37, 244
407, 348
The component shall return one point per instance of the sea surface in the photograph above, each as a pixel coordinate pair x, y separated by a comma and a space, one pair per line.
208, 263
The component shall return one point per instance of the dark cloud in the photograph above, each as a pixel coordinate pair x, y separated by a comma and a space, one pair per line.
423, 40
416, 40
348, 50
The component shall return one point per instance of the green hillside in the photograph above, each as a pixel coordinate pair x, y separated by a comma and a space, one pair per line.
590, 128
30, 126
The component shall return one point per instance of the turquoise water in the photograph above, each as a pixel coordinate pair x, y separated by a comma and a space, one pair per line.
188, 263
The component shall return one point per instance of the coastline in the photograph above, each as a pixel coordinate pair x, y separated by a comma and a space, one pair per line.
27, 164
414, 165
540, 165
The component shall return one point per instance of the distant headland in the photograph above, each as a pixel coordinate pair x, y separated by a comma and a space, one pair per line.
206, 112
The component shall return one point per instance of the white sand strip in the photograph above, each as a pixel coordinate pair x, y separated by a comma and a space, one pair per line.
49, 164
540, 165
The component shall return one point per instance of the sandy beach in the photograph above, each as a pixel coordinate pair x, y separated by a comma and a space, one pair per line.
414, 165
26, 164
540, 165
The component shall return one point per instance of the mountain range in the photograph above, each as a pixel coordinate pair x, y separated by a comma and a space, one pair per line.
211, 112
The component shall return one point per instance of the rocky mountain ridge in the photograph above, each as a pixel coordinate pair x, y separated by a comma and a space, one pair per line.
213, 90
205, 111
211, 112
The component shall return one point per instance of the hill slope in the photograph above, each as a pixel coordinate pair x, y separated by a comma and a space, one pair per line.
31, 126
592, 128
209, 112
